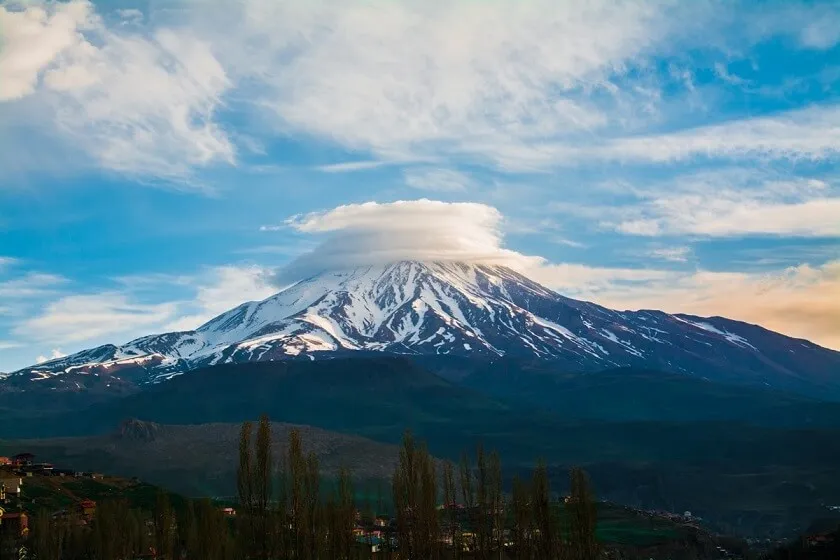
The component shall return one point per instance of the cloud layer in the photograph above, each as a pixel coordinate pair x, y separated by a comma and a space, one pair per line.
509, 85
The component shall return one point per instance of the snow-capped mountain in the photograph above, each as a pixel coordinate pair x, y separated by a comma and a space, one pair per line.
457, 309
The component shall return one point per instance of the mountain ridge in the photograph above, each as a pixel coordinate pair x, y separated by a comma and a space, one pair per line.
458, 309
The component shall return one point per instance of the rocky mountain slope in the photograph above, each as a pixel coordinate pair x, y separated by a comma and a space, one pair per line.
457, 309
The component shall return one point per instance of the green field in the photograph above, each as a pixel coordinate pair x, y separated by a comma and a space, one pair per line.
619, 525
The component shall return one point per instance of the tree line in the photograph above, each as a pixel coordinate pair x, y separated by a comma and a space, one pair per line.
286, 509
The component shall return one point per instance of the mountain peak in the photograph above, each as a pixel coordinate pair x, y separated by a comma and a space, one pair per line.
464, 309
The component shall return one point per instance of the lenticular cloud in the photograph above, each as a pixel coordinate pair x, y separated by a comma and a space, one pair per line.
422, 230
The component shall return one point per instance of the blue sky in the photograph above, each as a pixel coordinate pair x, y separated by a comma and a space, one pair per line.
159, 161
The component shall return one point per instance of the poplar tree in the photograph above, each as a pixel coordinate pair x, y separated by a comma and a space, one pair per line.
296, 465
346, 514
482, 499
465, 477
449, 502
415, 501
522, 519
119, 532
428, 526
77, 541
164, 525
496, 503
404, 486
188, 532
312, 480
262, 487
214, 542
280, 542
245, 490
48, 537
582, 516
546, 541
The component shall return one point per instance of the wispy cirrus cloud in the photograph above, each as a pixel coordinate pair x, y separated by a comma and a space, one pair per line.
731, 214
736, 204
814, 25
79, 318
350, 166
673, 254
811, 133
134, 100
713, 203
437, 179
30, 285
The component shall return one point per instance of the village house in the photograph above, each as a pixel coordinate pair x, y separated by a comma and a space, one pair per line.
10, 487
88, 509
375, 547
14, 523
818, 539
22, 460
4, 461
38, 468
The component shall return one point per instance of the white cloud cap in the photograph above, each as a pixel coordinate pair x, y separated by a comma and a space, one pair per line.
424, 230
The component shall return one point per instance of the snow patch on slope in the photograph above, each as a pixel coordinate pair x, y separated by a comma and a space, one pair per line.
731, 337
